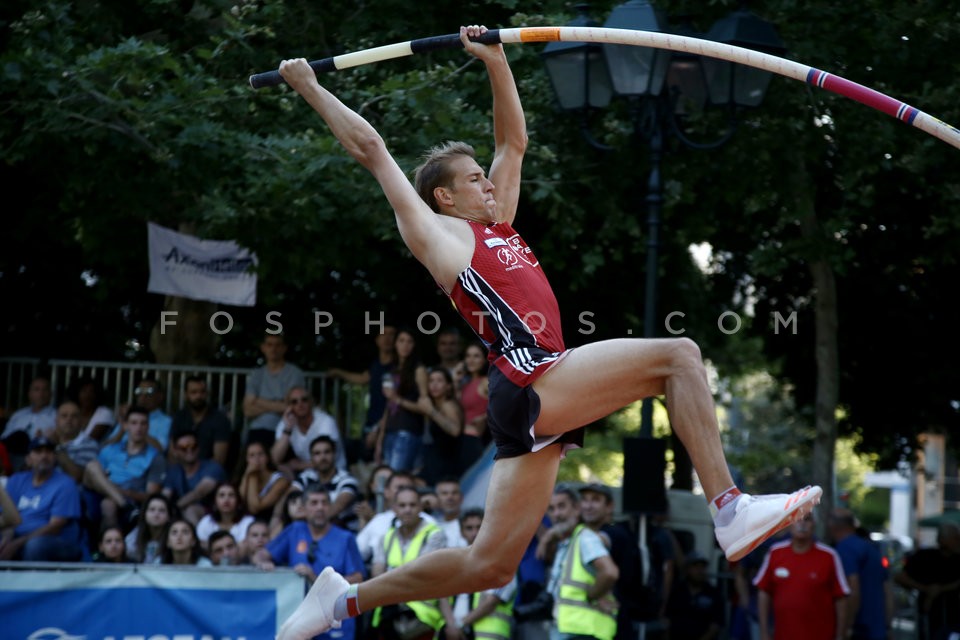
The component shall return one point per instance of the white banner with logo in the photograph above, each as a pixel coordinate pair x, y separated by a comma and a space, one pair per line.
211, 270
96, 602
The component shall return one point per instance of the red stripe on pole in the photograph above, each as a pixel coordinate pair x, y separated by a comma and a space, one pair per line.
860, 93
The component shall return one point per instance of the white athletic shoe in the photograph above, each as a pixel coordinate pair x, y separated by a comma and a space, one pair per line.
759, 517
315, 614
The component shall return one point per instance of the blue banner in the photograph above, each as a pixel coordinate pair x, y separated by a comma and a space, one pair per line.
158, 605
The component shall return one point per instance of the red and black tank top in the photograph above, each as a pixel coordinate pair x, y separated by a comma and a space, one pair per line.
506, 299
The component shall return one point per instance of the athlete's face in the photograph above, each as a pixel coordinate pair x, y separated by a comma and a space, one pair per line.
471, 194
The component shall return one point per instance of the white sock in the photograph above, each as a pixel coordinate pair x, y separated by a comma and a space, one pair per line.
726, 513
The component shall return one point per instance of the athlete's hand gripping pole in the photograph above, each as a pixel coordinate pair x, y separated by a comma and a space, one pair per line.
377, 54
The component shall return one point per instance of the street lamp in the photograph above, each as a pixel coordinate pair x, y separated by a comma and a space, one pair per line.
736, 83
579, 74
636, 71
660, 87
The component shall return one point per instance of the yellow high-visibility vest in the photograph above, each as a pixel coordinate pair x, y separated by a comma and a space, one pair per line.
575, 615
426, 611
495, 626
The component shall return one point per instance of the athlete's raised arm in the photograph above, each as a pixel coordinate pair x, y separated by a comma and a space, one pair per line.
509, 125
420, 227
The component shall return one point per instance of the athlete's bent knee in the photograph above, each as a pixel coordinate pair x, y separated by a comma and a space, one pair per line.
688, 353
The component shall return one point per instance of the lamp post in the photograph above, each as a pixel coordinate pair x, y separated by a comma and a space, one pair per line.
660, 87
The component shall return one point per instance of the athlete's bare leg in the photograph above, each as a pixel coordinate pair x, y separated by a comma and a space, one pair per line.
595, 380
587, 384
517, 499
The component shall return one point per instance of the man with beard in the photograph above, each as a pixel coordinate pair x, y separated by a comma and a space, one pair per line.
212, 427
49, 504
191, 480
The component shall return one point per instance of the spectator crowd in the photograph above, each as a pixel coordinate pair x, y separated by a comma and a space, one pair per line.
84, 482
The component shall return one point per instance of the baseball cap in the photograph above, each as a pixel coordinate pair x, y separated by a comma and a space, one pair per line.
596, 487
40, 442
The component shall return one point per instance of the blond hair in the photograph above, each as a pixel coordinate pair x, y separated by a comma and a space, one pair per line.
434, 170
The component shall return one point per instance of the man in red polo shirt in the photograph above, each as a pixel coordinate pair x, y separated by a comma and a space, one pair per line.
802, 581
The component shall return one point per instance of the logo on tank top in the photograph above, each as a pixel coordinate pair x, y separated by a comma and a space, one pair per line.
524, 252
507, 256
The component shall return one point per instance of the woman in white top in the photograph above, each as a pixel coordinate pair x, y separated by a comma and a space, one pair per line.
302, 422
228, 515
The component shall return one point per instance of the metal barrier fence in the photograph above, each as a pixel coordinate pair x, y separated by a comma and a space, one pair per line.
346, 403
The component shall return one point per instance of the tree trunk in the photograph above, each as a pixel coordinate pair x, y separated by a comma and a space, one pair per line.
190, 340
825, 338
828, 379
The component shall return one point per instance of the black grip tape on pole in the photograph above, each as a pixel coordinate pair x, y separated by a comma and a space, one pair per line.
450, 41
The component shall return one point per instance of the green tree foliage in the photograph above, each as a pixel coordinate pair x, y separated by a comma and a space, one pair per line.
116, 113
885, 212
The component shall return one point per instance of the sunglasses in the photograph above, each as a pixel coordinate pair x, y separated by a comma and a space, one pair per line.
312, 552
298, 400
144, 392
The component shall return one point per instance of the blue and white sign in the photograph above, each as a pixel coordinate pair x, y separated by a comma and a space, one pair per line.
214, 270
140, 603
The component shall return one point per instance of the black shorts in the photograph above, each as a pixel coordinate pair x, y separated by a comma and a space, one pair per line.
512, 411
